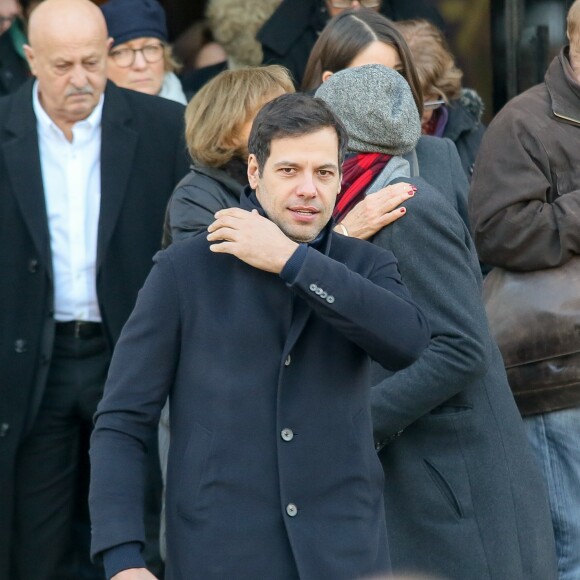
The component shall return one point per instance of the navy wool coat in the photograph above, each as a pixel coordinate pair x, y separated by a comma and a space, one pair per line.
272, 471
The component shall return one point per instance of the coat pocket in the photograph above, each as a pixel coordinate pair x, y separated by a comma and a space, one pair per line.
444, 487
192, 470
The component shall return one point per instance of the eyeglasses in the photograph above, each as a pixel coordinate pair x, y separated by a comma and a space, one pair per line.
348, 3
125, 57
432, 105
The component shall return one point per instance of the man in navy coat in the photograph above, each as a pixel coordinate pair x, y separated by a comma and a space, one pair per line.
261, 337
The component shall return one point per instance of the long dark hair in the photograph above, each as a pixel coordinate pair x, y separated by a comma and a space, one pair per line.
346, 36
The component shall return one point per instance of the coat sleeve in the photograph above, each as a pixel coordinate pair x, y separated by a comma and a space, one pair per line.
438, 263
374, 312
521, 220
141, 372
459, 181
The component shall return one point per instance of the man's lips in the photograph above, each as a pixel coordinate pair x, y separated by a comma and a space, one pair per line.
304, 213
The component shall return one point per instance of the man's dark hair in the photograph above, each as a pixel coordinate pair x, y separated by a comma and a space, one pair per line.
293, 115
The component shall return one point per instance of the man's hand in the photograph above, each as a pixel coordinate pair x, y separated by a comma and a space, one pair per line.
377, 210
134, 574
251, 238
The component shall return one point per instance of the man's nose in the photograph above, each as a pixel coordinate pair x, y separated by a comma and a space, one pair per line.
78, 78
307, 186
355, 4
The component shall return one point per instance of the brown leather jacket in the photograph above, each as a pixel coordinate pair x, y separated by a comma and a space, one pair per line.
524, 202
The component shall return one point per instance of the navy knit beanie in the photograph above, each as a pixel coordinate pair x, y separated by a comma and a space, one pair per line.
130, 19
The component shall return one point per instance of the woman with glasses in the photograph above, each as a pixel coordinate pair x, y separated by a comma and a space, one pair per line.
448, 109
140, 57
356, 38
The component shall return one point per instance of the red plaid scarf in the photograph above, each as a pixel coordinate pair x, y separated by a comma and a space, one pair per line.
358, 172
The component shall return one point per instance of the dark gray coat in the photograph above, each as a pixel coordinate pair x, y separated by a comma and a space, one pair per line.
464, 497
143, 157
245, 357
439, 164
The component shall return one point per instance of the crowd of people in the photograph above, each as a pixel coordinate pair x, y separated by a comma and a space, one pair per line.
296, 313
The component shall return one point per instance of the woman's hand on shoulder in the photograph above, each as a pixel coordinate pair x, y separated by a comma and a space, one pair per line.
377, 211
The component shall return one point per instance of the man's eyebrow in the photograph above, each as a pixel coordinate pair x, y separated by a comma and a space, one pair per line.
329, 166
286, 164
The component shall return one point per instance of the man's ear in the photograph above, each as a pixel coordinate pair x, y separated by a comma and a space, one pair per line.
326, 75
253, 171
109, 43
30, 58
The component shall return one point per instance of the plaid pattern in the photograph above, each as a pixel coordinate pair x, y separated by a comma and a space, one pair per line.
358, 172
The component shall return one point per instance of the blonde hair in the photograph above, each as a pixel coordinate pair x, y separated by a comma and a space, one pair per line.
170, 63
432, 58
573, 26
235, 25
215, 115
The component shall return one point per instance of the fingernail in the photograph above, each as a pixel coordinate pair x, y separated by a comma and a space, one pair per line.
411, 192
402, 210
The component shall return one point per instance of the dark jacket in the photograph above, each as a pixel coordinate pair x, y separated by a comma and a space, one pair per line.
197, 197
269, 404
464, 497
525, 193
464, 127
142, 158
290, 33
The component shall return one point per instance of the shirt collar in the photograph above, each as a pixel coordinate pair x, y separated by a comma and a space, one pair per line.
48, 126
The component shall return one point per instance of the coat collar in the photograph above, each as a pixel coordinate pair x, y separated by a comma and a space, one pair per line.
564, 89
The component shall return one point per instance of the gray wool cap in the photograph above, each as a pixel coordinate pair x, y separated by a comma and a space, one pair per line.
376, 105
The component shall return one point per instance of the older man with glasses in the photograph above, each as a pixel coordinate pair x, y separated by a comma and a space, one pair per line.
289, 35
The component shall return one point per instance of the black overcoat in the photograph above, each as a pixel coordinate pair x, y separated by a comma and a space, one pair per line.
269, 405
142, 158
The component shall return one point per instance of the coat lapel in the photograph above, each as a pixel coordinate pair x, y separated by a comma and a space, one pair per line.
22, 157
118, 146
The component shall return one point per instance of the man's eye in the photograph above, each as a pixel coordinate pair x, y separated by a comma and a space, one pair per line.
325, 173
288, 170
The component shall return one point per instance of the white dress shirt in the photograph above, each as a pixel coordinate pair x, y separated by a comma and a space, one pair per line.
71, 175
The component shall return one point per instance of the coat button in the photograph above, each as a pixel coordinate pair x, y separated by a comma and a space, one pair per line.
4, 428
323, 294
288, 361
319, 291
287, 434
20, 346
291, 510
33, 266
313, 287
330, 299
